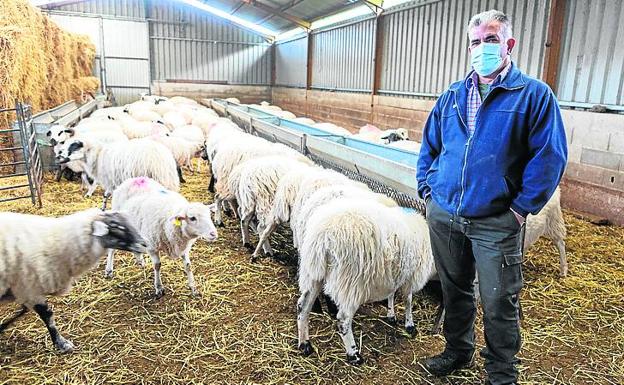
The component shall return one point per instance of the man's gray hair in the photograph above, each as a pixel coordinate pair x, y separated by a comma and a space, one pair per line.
490, 16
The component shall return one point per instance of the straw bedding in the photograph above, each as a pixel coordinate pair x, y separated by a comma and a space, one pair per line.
40, 64
243, 327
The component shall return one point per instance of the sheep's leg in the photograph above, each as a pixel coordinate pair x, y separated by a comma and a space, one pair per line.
345, 329
211, 184
138, 258
563, 260
91, 189
8, 322
180, 177
304, 306
108, 271
232, 208
264, 238
44, 311
391, 315
245, 229
160, 291
409, 319
105, 200
189, 274
59, 173
217, 215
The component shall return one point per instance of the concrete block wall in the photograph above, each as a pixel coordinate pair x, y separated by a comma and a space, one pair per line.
246, 94
594, 179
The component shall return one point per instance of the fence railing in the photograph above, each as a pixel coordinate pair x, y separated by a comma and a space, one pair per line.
23, 165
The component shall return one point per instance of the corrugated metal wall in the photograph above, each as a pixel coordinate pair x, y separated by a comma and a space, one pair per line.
188, 44
123, 8
291, 62
191, 45
341, 57
592, 61
425, 47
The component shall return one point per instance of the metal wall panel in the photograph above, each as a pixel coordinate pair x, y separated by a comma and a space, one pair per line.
127, 95
188, 44
342, 57
126, 39
291, 62
425, 47
592, 59
123, 8
122, 73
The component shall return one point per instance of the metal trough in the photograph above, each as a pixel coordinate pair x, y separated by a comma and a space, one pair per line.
385, 169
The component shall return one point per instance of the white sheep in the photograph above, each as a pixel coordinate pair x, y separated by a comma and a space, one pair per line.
254, 184
232, 100
106, 112
549, 223
166, 220
333, 129
111, 164
360, 251
41, 256
407, 145
181, 100
153, 98
182, 149
302, 120
175, 119
283, 200
145, 115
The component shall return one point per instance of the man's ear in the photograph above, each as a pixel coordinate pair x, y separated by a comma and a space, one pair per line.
511, 43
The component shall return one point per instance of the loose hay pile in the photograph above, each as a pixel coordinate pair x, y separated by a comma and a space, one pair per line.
243, 328
40, 64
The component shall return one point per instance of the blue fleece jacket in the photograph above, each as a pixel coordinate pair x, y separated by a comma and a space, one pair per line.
515, 158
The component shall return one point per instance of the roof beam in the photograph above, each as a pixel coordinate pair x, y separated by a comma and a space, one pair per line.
285, 8
375, 5
240, 4
298, 21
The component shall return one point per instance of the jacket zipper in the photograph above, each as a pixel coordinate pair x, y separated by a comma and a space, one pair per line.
461, 196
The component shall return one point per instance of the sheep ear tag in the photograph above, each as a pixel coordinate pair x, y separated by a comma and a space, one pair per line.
100, 229
177, 221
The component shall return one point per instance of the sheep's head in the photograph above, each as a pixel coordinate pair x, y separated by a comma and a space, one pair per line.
196, 221
72, 149
114, 231
59, 134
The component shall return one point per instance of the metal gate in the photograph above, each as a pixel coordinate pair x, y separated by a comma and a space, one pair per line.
24, 168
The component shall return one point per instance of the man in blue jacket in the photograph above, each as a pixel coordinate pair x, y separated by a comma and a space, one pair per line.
493, 151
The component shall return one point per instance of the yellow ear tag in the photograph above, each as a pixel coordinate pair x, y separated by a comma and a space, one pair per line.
177, 222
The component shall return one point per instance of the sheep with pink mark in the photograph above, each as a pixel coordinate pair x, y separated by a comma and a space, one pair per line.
168, 223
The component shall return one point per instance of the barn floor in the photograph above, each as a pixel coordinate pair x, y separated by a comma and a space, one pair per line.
243, 329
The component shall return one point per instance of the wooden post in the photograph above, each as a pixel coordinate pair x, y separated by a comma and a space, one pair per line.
308, 73
554, 38
377, 63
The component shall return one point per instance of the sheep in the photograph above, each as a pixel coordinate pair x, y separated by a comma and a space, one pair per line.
286, 115
153, 98
233, 154
233, 100
111, 164
361, 251
174, 119
307, 121
135, 129
166, 220
43, 256
254, 184
145, 115
332, 129
182, 149
330, 192
373, 134
107, 112
181, 100
407, 145
163, 107
283, 200
189, 132
550, 224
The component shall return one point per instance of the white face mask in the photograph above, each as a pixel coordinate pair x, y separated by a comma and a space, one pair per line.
486, 59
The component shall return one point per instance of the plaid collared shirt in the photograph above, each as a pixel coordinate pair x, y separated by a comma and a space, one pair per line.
474, 97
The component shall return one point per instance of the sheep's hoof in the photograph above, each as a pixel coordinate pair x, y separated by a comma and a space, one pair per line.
254, 258
306, 348
64, 346
392, 320
159, 293
108, 274
195, 293
411, 330
248, 246
219, 223
355, 359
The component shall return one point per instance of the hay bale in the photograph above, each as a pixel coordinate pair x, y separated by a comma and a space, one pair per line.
40, 63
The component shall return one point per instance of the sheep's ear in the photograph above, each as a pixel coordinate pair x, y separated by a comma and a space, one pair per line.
49, 133
213, 207
100, 229
70, 131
